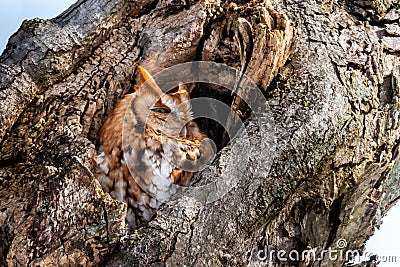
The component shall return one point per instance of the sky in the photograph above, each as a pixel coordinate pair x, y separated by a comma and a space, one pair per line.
13, 12
385, 241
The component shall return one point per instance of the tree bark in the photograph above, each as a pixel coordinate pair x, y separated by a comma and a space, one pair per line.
334, 103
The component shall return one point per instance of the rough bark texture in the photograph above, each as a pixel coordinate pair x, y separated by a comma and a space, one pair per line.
335, 104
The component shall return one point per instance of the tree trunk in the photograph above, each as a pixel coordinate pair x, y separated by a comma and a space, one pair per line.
334, 105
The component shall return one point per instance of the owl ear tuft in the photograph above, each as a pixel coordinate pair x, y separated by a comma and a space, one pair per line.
183, 88
143, 75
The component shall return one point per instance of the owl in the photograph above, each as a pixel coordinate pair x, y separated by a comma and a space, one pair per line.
149, 147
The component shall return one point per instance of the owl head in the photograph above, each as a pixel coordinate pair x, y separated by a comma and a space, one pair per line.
165, 114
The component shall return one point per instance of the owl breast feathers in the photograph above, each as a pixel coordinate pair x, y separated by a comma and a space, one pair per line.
149, 146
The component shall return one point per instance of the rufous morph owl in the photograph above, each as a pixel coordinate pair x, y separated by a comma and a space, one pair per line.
148, 144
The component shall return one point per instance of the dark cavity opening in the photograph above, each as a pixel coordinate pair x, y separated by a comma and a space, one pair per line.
218, 108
